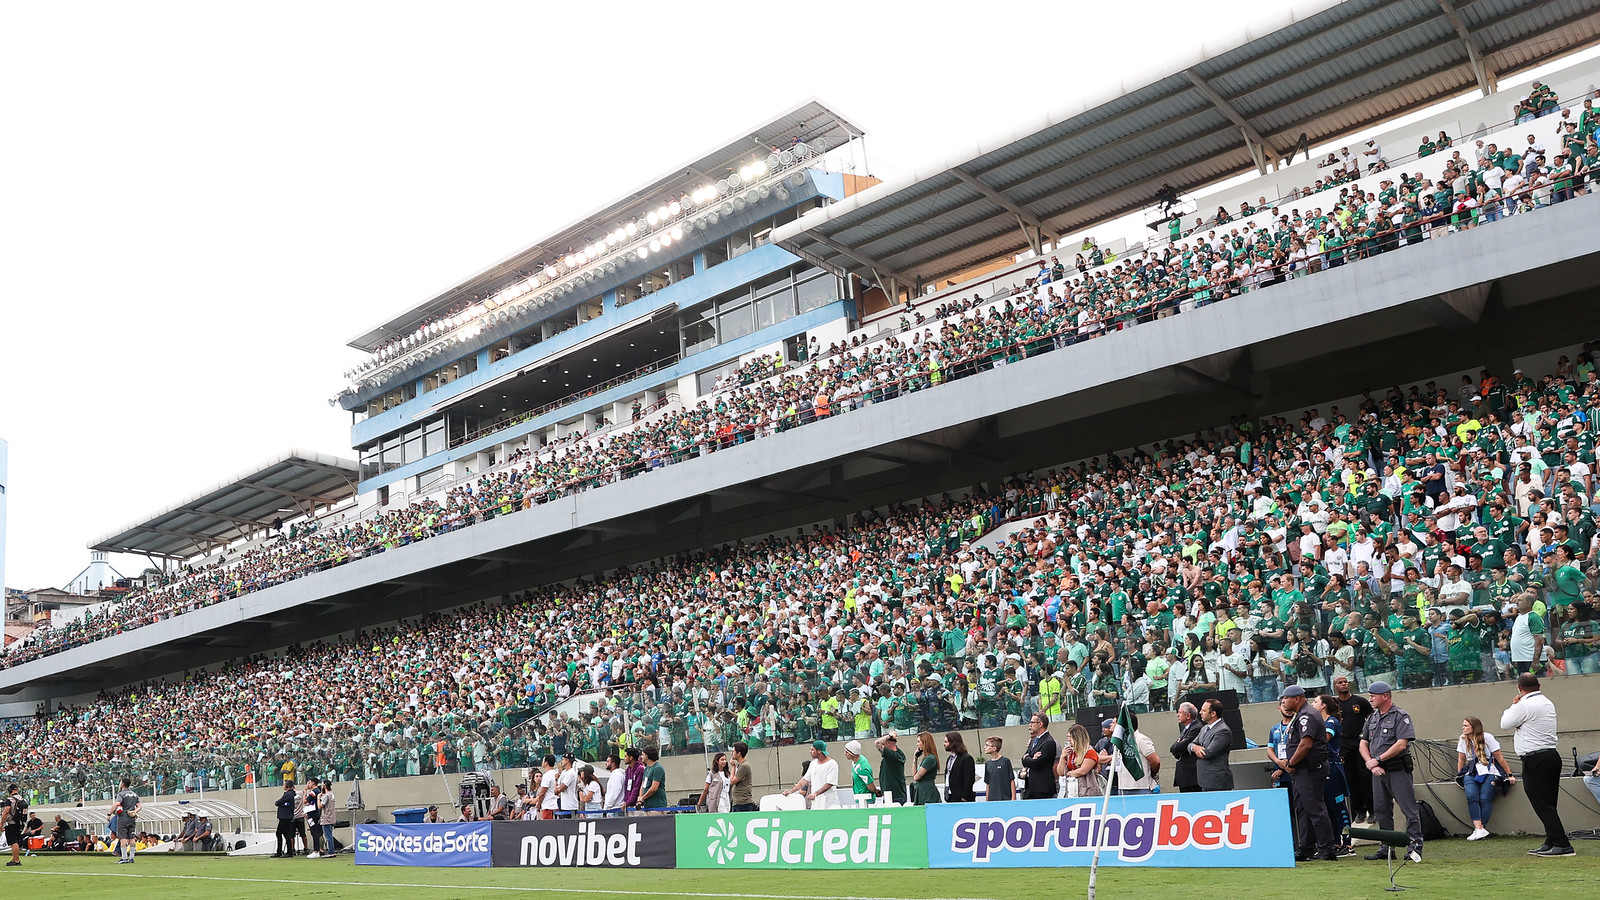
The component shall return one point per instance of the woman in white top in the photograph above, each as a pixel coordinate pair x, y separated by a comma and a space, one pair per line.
714, 796
1481, 766
591, 793
1261, 665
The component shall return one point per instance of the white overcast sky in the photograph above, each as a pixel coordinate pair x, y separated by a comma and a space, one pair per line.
202, 202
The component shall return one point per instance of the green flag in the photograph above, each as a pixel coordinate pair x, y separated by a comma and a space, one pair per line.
1123, 741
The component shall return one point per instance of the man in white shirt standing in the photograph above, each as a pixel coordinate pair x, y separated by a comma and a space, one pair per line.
615, 785
1231, 667
1534, 718
568, 778
549, 789
821, 778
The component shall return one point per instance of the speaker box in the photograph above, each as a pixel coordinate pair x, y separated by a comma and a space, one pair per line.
1090, 717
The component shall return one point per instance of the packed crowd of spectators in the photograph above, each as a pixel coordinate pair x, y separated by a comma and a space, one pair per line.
766, 396
1431, 536
1349, 165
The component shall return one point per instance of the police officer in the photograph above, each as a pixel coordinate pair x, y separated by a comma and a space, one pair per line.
1307, 746
1386, 750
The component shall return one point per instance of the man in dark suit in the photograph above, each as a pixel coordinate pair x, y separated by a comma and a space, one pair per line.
961, 771
1039, 760
1188, 729
1211, 748
286, 805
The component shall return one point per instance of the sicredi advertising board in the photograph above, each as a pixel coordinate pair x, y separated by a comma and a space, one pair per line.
460, 844
885, 838
638, 842
1236, 829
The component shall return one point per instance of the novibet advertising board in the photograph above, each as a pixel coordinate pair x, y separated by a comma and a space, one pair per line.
885, 838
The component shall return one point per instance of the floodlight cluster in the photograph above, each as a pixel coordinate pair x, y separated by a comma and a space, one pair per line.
637, 239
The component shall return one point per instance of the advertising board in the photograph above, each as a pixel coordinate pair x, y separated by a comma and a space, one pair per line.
638, 842
1238, 829
459, 845
883, 838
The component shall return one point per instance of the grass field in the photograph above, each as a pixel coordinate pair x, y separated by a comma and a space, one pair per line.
1452, 869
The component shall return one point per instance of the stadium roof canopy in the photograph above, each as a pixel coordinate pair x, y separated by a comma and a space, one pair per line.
811, 122
1321, 69
286, 487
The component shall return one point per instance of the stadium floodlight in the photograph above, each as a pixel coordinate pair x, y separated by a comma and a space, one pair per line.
652, 218
677, 232
763, 193
632, 228
727, 208
662, 212
738, 204
642, 252
780, 193
655, 245
675, 207
550, 272
666, 240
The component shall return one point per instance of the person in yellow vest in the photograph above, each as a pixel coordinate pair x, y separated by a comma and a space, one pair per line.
1050, 697
829, 709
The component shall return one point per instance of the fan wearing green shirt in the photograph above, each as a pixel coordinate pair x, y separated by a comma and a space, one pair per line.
1492, 549
653, 793
891, 768
1284, 595
1578, 639
1566, 579
1465, 648
861, 781
1416, 658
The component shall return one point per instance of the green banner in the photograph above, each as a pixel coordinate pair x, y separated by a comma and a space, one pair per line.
879, 838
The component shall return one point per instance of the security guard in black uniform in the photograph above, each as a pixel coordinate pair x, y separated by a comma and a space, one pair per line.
1307, 745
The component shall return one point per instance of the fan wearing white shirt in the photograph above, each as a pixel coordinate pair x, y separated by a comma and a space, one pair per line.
1534, 718
615, 785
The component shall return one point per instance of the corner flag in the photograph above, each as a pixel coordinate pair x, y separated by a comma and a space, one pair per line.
1122, 740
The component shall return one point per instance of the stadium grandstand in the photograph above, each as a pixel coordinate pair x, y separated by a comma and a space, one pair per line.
768, 452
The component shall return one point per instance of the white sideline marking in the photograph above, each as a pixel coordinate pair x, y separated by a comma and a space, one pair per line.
474, 887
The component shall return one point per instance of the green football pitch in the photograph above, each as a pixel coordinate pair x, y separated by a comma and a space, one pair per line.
1452, 869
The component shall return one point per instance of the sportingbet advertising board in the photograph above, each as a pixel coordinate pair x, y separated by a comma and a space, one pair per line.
887, 838
459, 845
1236, 829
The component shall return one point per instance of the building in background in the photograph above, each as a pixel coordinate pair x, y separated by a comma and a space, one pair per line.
631, 311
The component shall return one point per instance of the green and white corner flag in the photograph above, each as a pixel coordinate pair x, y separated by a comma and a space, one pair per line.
1122, 740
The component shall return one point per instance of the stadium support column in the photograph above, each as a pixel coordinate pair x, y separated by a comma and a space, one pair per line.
1032, 229
1488, 77
1260, 150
